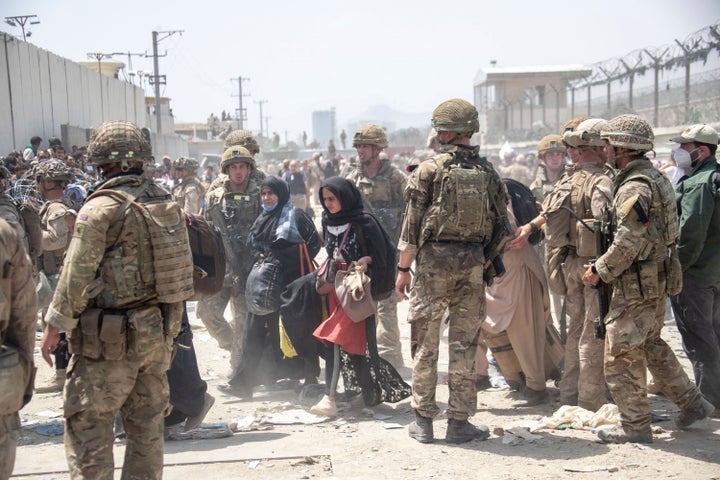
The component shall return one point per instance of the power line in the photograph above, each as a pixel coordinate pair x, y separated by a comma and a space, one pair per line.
157, 77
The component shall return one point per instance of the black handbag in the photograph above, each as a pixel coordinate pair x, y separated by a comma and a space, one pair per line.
263, 287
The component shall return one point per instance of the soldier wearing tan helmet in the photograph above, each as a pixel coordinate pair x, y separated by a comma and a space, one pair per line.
232, 203
382, 186
57, 220
585, 191
454, 250
189, 191
640, 267
551, 152
570, 126
120, 326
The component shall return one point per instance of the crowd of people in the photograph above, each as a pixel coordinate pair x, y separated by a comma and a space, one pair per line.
95, 245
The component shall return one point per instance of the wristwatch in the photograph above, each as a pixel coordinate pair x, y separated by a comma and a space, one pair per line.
403, 269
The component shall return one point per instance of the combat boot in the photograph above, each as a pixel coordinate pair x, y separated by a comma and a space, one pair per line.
54, 384
461, 431
692, 415
620, 435
421, 429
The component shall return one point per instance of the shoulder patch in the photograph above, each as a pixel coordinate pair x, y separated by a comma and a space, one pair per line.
627, 206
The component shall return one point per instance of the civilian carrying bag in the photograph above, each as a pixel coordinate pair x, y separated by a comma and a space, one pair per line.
325, 280
263, 288
352, 287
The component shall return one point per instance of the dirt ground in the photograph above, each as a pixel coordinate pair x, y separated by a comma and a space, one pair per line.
373, 443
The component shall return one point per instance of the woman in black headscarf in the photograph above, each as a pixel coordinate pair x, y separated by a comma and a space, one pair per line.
276, 237
351, 234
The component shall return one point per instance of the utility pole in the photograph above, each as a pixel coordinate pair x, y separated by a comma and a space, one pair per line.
241, 110
156, 75
267, 126
260, 102
99, 56
21, 21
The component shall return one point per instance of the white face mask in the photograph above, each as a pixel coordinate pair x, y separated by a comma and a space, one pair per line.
682, 158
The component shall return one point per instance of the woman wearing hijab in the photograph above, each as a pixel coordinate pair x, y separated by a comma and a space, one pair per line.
350, 234
276, 236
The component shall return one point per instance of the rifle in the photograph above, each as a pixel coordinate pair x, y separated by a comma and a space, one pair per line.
603, 239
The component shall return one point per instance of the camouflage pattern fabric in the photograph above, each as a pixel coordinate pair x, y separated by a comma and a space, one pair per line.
635, 320
18, 308
385, 193
94, 391
229, 335
54, 217
135, 384
449, 276
189, 194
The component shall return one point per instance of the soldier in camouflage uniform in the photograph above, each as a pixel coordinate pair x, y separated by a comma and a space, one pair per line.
551, 153
586, 190
57, 220
189, 192
454, 225
245, 139
119, 297
382, 186
638, 266
18, 307
232, 206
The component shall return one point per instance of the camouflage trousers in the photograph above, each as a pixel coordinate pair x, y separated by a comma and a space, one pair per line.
388, 331
448, 276
9, 426
94, 391
228, 335
582, 382
633, 346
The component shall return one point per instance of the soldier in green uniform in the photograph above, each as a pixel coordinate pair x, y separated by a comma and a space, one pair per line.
232, 205
119, 297
639, 267
382, 186
455, 223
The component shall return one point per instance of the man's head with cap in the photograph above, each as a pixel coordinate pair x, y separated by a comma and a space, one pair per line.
700, 141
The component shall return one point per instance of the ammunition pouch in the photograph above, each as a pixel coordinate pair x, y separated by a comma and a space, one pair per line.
586, 243
17, 377
642, 280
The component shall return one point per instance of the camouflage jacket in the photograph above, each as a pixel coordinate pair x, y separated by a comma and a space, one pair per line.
18, 302
189, 194
106, 264
426, 216
56, 233
384, 193
644, 219
541, 186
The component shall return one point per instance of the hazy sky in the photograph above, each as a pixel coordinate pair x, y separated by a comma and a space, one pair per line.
310, 55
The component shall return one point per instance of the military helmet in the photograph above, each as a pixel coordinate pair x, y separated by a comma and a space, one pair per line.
118, 140
456, 115
370, 134
586, 134
186, 163
572, 124
55, 170
242, 138
236, 154
629, 131
550, 143
54, 141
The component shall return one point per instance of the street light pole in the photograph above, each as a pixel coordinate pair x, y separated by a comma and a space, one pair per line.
21, 21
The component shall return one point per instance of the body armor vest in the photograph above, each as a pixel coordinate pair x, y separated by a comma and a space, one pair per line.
383, 194
51, 260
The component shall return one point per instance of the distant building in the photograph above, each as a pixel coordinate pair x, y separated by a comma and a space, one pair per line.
515, 101
324, 127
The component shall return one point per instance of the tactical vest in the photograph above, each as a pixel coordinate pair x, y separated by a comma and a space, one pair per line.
384, 196
664, 228
164, 267
233, 214
460, 210
573, 192
51, 261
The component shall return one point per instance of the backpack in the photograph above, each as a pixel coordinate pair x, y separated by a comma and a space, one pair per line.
524, 206
208, 255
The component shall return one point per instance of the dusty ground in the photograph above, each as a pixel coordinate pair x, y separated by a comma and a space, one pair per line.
373, 443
